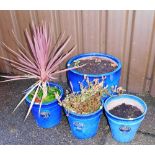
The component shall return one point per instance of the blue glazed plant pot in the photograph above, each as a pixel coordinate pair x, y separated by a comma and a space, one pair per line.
122, 129
51, 112
84, 126
111, 78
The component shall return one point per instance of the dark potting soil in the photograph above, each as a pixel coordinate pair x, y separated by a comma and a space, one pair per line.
95, 65
126, 111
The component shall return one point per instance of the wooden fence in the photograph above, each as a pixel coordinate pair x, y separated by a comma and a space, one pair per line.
128, 35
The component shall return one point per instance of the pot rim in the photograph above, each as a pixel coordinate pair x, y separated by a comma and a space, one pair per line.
97, 54
126, 96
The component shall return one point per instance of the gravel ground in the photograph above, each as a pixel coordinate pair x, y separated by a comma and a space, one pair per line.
15, 131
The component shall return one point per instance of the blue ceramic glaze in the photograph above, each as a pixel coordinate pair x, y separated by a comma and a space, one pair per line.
122, 129
74, 77
51, 112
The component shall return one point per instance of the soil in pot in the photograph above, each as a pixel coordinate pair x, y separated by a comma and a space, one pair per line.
95, 65
126, 111
50, 95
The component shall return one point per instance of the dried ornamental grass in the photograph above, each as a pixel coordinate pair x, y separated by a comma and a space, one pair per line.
88, 101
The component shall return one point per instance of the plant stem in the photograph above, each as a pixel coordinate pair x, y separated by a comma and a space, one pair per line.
44, 89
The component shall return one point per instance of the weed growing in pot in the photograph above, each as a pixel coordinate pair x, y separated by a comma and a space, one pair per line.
50, 95
40, 62
117, 90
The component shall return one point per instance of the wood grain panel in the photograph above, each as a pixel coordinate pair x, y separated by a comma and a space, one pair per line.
118, 38
50, 18
150, 64
103, 31
91, 33
150, 85
71, 25
70, 22
24, 19
3, 65
129, 24
116, 33
152, 77
140, 50
5, 30
128, 35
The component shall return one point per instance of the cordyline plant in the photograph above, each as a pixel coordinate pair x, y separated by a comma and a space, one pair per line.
41, 62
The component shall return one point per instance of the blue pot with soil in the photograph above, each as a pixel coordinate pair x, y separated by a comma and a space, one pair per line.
84, 126
96, 66
51, 112
125, 114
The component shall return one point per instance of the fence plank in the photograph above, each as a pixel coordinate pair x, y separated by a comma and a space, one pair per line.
71, 25
151, 59
150, 85
127, 47
140, 50
152, 75
103, 30
91, 33
128, 35
118, 38
5, 28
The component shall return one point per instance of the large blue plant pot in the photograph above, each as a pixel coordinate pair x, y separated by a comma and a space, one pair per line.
74, 77
51, 112
84, 126
124, 130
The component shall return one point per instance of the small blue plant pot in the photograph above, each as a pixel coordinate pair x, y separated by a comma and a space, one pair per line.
111, 78
51, 112
124, 130
84, 126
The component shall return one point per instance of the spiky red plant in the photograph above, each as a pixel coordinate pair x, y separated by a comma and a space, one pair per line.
41, 62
